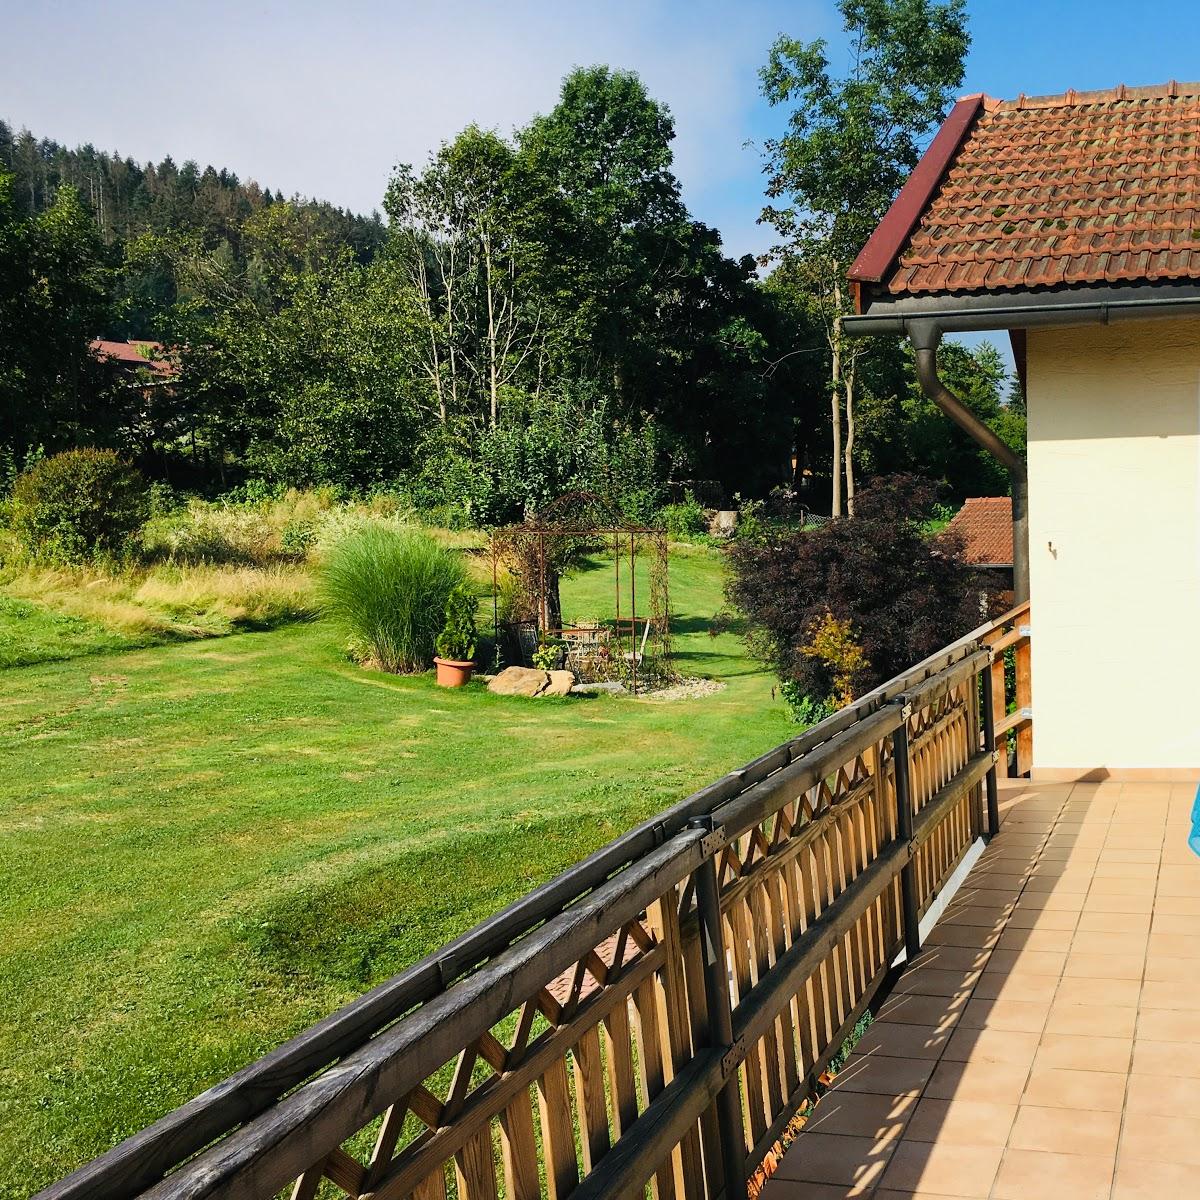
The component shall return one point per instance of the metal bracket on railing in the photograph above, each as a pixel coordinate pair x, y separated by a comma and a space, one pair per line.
715, 837
995, 756
906, 712
732, 1058
1025, 630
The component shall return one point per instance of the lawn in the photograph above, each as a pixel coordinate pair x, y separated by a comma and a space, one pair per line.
208, 845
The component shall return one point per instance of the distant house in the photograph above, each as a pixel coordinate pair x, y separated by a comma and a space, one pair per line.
135, 355
1073, 222
984, 525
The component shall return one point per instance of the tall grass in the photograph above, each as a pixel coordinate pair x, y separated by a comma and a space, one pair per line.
388, 587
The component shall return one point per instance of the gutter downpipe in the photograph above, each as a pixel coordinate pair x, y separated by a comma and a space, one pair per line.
925, 336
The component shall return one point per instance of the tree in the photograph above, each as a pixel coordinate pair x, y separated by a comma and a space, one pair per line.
850, 144
875, 590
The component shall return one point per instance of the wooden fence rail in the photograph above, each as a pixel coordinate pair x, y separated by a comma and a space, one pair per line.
647, 1022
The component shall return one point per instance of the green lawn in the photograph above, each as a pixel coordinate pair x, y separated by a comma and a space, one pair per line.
207, 846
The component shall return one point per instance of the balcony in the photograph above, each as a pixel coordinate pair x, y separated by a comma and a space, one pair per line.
663, 1015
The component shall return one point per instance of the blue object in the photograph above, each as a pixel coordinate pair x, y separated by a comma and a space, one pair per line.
1194, 836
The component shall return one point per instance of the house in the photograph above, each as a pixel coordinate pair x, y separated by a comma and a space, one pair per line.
984, 525
133, 356
1073, 223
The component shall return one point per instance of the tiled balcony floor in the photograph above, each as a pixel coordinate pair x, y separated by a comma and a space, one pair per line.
1046, 1043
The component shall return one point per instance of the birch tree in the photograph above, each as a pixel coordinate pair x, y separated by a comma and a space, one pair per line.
850, 143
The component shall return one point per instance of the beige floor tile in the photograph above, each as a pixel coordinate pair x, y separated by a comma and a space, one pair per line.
836, 1158
1060, 901
1125, 945
1036, 1175
950, 958
991, 1082
1172, 923
903, 1041
1162, 1096
1164, 994
1057, 941
1065, 1131
861, 1114
1128, 854
1175, 945
1001, 986
1092, 1020
1179, 880
1083, 1091
1120, 904
940, 1012
1039, 918
1122, 887
968, 937
884, 1075
1019, 1016
1104, 966
942, 1168
960, 1122
1184, 906
1102, 922
1075, 883
889, 1194
1165, 1058
929, 981
1073, 1053
1026, 962
1145, 1179
1122, 992
992, 1045
792, 1189
1174, 1139
1168, 969
1169, 1025
1126, 870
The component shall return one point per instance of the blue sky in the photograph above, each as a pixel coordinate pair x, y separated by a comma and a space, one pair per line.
324, 99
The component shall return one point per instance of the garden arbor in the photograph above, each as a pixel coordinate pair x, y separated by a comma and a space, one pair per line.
529, 560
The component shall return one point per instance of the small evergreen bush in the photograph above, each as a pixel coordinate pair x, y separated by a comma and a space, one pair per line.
457, 639
685, 519
389, 587
78, 505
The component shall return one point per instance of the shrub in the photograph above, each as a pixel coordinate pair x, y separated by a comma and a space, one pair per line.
457, 639
685, 519
389, 587
78, 504
902, 595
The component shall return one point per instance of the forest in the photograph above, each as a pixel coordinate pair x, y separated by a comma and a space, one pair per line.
530, 314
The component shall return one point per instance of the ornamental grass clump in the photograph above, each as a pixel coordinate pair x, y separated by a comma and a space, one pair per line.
388, 587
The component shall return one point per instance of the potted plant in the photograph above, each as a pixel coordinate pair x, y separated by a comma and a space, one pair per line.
456, 643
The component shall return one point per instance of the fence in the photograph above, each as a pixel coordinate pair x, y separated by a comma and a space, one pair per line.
649, 1020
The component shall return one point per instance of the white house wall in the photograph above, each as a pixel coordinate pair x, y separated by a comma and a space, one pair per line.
1114, 539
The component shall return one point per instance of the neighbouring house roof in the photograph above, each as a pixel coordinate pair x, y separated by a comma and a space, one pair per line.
134, 354
1046, 193
984, 523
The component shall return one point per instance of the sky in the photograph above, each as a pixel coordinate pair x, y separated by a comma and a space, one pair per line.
323, 99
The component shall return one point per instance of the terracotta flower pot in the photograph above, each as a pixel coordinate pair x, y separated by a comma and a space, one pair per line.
452, 673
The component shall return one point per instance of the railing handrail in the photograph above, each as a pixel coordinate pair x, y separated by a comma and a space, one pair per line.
354, 1036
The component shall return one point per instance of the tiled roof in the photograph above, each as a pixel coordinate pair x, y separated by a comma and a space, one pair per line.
984, 524
133, 354
1082, 188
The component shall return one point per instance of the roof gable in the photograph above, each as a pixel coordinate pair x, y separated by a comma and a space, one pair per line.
1050, 192
984, 523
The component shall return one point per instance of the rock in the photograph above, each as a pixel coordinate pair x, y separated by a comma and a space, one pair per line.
723, 523
519, 681
561, 683
594, 689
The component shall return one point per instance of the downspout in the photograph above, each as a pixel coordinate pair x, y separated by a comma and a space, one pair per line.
925, 337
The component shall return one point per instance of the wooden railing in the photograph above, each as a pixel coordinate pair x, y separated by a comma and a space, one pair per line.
653, 1017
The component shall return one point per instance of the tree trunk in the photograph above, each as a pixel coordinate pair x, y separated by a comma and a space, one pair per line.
835, 400
850, 378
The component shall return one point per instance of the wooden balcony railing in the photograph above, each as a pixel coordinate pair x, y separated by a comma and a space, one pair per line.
650, 1019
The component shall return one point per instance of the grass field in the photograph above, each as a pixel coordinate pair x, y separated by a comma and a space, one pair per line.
206, 846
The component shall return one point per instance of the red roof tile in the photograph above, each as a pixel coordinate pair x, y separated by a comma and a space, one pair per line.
1083, 188
984, 524
134, 354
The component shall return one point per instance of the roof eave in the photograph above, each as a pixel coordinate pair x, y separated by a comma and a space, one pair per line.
981, 312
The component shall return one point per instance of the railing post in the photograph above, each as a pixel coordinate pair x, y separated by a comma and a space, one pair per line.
989, 746
904, 833
974, 733
1023, 662
720, 1021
